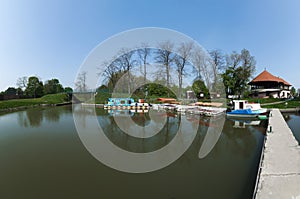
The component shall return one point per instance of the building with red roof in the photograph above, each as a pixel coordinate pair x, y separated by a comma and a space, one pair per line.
267, 85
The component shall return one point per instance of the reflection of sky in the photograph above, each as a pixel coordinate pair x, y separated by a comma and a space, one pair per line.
293, 122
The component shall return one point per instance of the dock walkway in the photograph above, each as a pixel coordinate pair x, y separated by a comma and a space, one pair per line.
280, 171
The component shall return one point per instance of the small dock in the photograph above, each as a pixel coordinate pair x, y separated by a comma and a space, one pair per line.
279, 175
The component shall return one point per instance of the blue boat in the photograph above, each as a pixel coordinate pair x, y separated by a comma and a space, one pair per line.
120, 101
241, 108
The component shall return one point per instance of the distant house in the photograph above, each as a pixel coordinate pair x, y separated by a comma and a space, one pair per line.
266, 85
190, 95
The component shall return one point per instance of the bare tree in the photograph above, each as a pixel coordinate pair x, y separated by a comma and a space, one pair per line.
165, 57
111, 73
233, 60
248, 63
202, 64
218, 64
144, 53
81, 82
181, 60
22, 82
127, 62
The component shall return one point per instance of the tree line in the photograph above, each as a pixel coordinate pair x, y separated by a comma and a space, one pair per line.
33, 87
212, 71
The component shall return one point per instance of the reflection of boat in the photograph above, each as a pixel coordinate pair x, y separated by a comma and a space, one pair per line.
120, 112
244, 123
241, 108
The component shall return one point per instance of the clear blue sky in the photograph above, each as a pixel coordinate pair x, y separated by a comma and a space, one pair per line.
52, 38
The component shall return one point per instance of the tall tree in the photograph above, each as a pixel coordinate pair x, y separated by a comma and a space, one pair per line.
181, 60
127, 62
81, 82
165, 57
22, 82
34, 87
144, 53
111, 73
239, 69
203, 67
218, 65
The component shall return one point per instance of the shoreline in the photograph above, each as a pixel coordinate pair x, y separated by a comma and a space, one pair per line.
21, 108
290, 110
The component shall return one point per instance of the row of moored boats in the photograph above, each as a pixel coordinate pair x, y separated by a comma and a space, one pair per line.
239, 108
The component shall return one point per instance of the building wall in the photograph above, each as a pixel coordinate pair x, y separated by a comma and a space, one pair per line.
282, 94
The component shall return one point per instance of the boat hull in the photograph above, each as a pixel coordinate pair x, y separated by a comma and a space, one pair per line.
247, 113
243, 115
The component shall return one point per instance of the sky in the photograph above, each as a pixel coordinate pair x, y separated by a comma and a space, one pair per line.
51, 39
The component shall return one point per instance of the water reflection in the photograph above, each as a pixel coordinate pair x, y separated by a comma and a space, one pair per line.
36, 116
293, 121
30, 118
52, 115
134, 144
227, 172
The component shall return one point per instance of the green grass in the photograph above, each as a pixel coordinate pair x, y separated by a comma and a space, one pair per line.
264, 100
295, 103
47, 99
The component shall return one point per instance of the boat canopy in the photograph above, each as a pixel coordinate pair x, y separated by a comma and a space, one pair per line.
120, 101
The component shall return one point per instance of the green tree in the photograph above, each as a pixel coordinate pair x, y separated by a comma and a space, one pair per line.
239, 70
68, 90
158, 90
34, 87
11, 91
293, 91
53, 86
103, 89
200, 87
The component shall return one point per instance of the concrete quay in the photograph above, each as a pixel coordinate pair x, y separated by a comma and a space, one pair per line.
279, 175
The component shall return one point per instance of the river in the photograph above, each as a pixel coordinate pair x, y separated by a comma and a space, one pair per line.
293, 121
42, 156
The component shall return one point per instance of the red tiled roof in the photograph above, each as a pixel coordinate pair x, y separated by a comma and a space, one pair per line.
265, 76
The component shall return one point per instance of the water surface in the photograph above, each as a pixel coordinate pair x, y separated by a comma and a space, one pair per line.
42, 157
293, 121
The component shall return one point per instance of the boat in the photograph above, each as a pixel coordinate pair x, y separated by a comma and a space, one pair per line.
243, 109
125, 103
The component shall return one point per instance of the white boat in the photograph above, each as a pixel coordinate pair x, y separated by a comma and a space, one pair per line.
243, 109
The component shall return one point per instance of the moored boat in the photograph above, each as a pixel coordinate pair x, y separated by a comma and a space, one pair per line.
125, 103
241, 108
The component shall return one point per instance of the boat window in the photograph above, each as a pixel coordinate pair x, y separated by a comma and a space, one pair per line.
241, 105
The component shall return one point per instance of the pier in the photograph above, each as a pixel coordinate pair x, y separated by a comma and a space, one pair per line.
279, 174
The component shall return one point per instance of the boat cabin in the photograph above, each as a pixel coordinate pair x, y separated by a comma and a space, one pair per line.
120, 101
244, 104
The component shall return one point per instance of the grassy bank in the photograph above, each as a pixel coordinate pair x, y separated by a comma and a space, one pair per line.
294, 103
47, 99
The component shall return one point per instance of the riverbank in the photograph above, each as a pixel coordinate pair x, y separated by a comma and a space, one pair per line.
47, 100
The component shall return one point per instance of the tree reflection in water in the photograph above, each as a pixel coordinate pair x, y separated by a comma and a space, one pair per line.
140, 145
30, 118
52, 115
35, 116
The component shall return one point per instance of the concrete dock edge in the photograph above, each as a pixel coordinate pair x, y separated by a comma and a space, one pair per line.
279, 173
